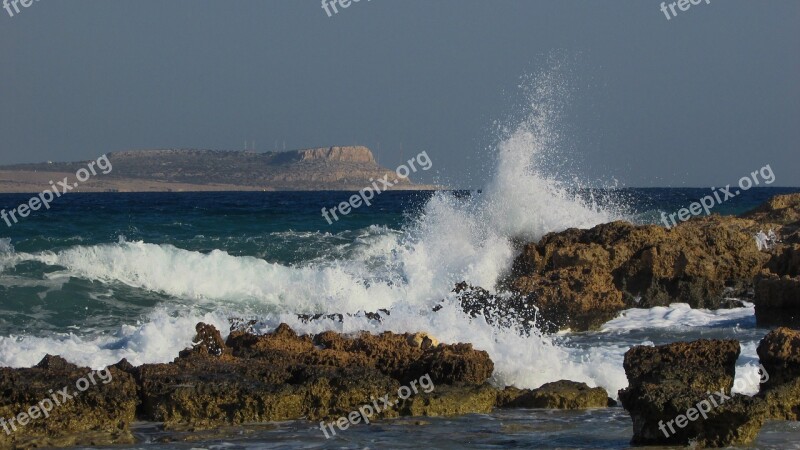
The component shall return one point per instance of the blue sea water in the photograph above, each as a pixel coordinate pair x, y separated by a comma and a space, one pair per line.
99, 277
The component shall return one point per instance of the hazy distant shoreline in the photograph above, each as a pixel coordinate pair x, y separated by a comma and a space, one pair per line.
191, 170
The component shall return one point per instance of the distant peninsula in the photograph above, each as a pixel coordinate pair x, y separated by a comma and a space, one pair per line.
193, 170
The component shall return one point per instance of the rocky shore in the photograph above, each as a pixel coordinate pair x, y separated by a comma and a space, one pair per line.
579, 279
680, 393
575, 279
281, 375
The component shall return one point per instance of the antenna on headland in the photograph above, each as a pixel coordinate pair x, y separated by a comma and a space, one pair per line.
284, 145
254, 146
245, 145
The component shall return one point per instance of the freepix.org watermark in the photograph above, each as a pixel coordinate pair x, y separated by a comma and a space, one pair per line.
331, 5
366, 411
15, 4
366, 195
721, 195
714, 400
56, 190
683, 5
57, 398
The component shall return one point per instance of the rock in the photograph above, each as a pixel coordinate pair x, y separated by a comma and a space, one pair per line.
562, 394
282, 375
206, 393
422, 340
670, 384
579, 279
777, 300
781, 209
208, 341
457, 364
655, 410
785, 260
450, 401
578, 298
779, 352
99, 415
702, 365
508, 311
782, 401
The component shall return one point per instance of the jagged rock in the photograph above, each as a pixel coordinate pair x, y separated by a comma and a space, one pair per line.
782, 401
682, 361
655, 411
785, 260
780, 209
777, 300
450, 401
100, 415
422, 340
507, 311
282, 376
779, 352
208, 341
562, 394
579, 279
669, 385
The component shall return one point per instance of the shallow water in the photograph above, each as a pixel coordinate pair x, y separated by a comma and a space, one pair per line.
521, 428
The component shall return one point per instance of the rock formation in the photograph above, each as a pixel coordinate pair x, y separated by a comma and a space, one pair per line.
579, 279
680, 394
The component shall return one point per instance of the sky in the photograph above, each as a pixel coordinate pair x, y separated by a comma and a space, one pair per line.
700, 99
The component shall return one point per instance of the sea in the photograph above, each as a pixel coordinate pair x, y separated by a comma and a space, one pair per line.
104, 276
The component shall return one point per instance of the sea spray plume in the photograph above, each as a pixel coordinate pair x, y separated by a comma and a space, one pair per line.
526, 198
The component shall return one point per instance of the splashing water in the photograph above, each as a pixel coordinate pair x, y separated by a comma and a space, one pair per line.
453, 239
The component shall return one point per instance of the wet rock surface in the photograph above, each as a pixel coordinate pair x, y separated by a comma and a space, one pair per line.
282, 376
562, 394
694, 380
681, 393
250, 378
779, 353
777, 288
777, 300
579, 279
99, 415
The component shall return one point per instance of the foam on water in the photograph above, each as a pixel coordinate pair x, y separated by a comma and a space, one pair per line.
679, 315
452, 240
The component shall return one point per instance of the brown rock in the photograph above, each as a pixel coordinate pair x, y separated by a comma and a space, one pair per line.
282, 376
666, 381
704, 365
781, 209
779, 353
208, 342
579, 279
777, 300
100, 415
562, 394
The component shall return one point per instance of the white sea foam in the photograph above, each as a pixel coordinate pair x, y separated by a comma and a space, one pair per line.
680, 315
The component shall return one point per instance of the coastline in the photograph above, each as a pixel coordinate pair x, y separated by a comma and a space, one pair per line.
32, 182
